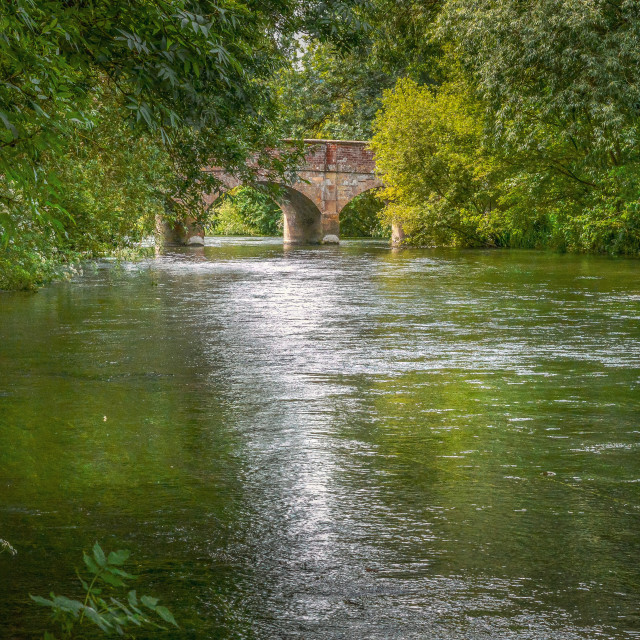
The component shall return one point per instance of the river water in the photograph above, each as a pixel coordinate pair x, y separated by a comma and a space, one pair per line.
334, 442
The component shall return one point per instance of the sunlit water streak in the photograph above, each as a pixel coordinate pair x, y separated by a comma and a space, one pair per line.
339, 442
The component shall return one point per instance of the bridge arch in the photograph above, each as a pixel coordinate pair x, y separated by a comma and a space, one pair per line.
358, 190
302, 219
359, 217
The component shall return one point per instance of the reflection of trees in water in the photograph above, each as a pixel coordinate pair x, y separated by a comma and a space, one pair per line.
152, 476
413, 424
467, 455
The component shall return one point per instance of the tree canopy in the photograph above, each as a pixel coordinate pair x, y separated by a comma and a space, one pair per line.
163, 87
546, 95
503, 123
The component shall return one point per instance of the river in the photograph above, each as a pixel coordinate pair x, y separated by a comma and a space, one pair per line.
334, 442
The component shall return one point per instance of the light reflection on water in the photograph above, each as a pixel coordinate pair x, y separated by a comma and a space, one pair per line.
332, 442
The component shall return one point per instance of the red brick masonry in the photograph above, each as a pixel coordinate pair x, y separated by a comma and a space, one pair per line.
334, 172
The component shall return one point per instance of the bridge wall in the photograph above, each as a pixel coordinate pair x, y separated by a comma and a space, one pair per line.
334, 172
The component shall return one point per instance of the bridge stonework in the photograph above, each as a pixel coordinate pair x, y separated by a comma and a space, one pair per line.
333, 173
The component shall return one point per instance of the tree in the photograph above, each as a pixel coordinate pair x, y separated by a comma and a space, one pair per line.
335, 92
247, 212
439, 182
554, 71
188, 77
531, 136
329, 94
560, 81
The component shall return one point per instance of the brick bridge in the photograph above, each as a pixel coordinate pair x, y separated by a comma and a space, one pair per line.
332, 174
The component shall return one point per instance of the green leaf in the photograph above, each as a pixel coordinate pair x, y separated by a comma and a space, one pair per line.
38, 109
149, 602
119, 572
133, 600
98, 554
85, 586
67, 604
9, 125
166, 615
118, 557
43, 601
91, 565
112, 580
97, 619
130, 615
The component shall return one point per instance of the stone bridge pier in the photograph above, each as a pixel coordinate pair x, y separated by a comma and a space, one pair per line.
333, 173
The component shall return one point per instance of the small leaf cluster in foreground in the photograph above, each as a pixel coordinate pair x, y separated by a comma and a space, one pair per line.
100, 606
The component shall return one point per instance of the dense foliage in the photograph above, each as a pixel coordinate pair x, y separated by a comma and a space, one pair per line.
531, 140
330, 95
245, 211
503, 123
180, 84
361, 218
335, 92
427, 144
96, 193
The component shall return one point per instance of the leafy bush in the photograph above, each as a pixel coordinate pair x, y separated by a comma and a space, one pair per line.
229, 222
108, 191
448, 183
440, 184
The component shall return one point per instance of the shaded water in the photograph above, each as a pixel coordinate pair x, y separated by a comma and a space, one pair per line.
340, 442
